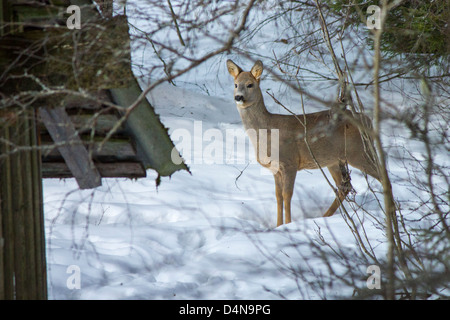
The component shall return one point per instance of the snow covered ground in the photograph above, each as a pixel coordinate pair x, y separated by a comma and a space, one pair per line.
210, 234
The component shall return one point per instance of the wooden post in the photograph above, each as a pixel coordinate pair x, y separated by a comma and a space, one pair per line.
22, 245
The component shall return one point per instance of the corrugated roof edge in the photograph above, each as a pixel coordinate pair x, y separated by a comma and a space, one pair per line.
153, 143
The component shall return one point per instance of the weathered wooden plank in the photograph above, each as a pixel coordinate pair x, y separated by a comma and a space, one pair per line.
119, 149
101, 125
20, 263
2, 252
76, 103
106, 170
2, 245
40, 269
86, 124
27, 208
7, 218
71, 147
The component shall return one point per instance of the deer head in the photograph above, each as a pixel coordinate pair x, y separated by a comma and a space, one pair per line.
246, 84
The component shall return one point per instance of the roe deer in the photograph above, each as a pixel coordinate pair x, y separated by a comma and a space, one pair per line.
329, 142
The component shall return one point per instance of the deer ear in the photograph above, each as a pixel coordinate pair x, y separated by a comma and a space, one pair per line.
257, 70
233, 68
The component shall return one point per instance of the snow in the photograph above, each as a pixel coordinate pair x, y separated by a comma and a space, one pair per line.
205, 235
210, 234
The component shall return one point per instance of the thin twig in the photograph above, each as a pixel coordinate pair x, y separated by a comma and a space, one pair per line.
174, 17
240, 174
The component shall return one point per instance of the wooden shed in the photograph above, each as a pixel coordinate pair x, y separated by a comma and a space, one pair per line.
69, 107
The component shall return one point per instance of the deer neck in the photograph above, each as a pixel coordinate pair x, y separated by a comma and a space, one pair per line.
255, 116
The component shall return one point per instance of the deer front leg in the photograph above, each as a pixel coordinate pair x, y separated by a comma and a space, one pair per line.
279, 195
288, 190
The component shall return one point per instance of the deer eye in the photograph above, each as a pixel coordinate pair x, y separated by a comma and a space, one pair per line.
250, 85
235, 85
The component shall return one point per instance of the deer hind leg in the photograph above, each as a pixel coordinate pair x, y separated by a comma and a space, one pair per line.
343, 187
